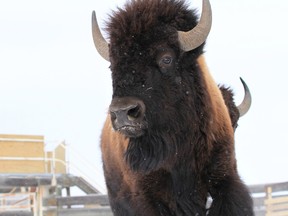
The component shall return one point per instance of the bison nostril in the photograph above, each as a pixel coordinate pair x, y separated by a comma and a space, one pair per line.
134, 113
126, 111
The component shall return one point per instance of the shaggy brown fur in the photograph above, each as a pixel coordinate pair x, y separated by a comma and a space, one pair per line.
173, 138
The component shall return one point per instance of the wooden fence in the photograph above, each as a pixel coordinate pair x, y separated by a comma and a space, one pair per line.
269, 200
88, 205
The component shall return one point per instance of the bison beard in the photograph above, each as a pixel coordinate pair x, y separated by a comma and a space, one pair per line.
168, 140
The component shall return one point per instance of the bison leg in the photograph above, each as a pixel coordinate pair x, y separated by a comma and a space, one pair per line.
230, 197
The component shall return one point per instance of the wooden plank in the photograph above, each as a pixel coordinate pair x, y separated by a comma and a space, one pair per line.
49, 166
84, 185
85, 200
77, 200
22, 154
103, 211
21, 149
20, 137
259, 188
22, 166
275, 208
16, 213
276, 187
34, 180
276, 200
21, 145
278, 207
60, 154
282, 213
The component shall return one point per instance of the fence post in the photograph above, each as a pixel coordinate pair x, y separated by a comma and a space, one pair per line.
268, 199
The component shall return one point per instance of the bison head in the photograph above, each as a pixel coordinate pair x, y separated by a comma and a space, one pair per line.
150, 59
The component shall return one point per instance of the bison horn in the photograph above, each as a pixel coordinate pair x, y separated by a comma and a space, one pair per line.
100, 43
246, 103
195, 37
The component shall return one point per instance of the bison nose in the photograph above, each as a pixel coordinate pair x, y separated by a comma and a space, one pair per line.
127, 112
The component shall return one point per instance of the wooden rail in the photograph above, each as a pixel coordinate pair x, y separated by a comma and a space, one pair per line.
275, 205
91, 199
270, 199
91, 204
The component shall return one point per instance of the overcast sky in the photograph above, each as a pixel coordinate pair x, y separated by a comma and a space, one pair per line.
54, 83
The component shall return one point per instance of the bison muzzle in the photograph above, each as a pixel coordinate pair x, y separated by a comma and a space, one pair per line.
127, 116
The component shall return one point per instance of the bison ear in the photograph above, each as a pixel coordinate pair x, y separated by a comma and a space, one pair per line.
100, 43
195, 37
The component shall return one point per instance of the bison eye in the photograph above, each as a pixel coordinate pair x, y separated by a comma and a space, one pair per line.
166, 60
165, 64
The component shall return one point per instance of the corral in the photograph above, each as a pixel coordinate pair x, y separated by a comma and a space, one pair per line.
36, 183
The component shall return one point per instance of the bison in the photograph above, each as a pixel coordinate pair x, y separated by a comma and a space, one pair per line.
168, 140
